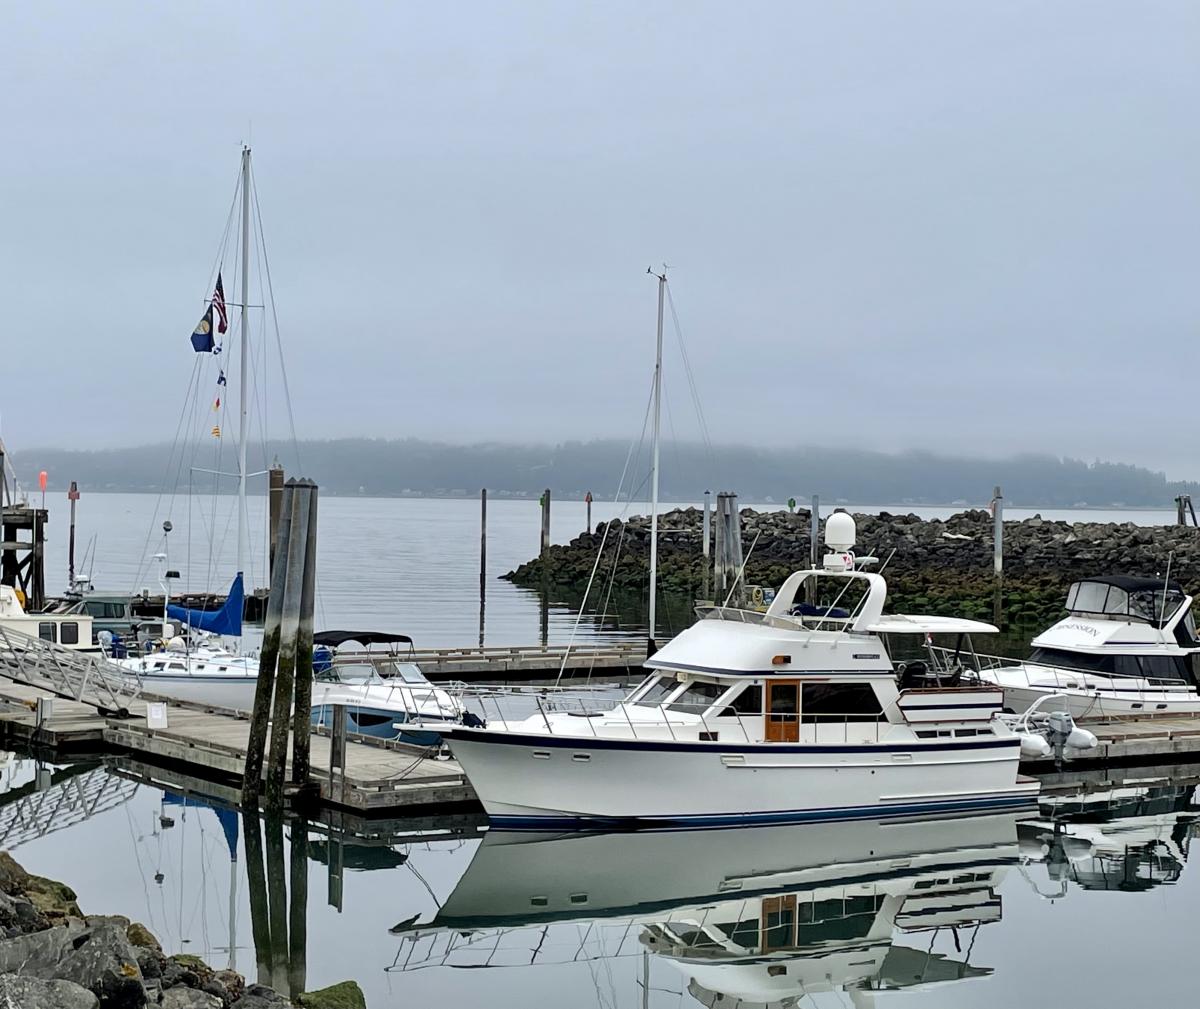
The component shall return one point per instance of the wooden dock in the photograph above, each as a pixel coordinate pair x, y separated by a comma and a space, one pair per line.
379, 776
1129, 741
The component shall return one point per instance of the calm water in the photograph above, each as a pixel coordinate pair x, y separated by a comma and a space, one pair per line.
1096, 908
1097, 911
404, 564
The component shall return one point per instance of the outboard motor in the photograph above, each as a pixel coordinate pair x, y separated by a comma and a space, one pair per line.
1062, 732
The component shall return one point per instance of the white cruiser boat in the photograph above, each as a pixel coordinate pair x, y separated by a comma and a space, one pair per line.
1127, 647
784, 716
70, 630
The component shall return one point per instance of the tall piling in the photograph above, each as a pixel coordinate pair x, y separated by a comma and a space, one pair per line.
545, 502
302, 708
268, 656
997, 554
705, 540
718, 565
289, 633
72, 496
482, 560
587, 499
275, 481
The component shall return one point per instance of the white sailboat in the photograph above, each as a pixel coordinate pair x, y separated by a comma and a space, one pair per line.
212, 672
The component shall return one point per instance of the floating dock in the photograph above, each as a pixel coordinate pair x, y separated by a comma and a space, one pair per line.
379, 777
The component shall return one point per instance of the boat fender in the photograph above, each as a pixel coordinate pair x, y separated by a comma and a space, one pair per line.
1081, 739
1034, 746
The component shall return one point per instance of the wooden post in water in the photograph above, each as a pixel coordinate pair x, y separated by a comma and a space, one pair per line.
588, 500
705, 539
289, 633
277, 903
298, 910
260, 922
545, 502
814, 545
275, 480
719, 553
482, 560
72, 496
302, 709
261, 716
997, 554
733, 548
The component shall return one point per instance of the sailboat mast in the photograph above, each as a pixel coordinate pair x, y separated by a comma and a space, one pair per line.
242, 379
651, 647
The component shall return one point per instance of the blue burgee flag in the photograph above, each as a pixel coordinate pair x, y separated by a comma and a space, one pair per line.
202, 337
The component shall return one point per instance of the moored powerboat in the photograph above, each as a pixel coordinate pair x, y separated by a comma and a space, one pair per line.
1127, 647
790, 715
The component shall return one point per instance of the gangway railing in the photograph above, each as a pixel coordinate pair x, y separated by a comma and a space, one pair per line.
67, 672
27, 812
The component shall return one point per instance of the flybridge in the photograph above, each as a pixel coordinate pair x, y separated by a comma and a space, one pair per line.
1153, 600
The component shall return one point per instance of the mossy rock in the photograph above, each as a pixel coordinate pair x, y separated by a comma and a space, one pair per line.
191, 962
52, 898
343, 995
141, 937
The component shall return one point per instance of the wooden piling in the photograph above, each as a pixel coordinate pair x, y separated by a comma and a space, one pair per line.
545, 502
482, 560
298, 911
72, 496
277, 902
814, 545
719, 553
997, 555
337, 755
289, 632
256, 877
275, 482
268, 656
588, 501
705, 539
302, 709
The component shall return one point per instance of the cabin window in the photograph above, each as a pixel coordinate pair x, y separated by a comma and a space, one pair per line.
47, 631
697, 698
657, 692
839, 702
748, 702
1155, 667
69, 632
367, 721
176, 665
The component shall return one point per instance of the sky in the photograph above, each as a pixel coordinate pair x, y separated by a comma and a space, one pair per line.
971, 228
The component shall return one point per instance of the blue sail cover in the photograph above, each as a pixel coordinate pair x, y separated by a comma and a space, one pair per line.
227, 620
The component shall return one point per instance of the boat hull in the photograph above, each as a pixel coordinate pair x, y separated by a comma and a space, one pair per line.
543, 782
1097, 698
380, 724
235, 692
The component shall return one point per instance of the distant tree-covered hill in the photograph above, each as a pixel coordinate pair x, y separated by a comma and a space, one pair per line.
412, 467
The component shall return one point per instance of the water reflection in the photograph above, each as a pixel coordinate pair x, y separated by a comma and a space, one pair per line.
1122, 836
761, 916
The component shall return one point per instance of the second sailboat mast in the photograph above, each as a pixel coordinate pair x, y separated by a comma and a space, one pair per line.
651, 647
242, 378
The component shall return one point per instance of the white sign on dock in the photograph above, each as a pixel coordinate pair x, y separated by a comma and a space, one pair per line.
156, 715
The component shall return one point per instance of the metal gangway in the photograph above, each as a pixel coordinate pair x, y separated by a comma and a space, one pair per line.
67, 672
72, 794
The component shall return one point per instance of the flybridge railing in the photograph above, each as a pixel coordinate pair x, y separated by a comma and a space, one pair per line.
81, 676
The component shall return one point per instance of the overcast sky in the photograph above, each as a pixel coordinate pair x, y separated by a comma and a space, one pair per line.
970, 227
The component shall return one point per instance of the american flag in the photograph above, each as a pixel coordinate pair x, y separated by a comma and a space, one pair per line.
218, 301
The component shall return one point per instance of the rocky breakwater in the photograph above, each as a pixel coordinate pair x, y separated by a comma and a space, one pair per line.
53, 956
941, 566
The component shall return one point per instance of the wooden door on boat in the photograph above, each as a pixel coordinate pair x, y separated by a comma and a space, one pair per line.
783, 711
778, 923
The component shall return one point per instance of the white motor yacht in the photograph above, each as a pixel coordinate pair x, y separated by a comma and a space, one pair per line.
784, 716
1127, 647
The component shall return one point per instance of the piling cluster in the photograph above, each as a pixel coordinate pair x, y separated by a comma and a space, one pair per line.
939, 566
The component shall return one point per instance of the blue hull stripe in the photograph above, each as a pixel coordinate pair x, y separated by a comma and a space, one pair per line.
494, 738
995, 802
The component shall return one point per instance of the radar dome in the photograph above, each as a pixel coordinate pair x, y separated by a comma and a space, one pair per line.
840, 532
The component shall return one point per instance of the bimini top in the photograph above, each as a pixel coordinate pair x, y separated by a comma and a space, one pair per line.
1150, 599
335, 639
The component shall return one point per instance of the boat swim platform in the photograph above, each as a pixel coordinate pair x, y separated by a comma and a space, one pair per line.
210, 743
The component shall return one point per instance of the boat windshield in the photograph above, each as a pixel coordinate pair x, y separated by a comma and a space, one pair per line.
1140, 599
657, 692
698, 697
351, 672
409, 672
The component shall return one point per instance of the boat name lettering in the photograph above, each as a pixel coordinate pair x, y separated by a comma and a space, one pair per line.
865, 655
1094, 632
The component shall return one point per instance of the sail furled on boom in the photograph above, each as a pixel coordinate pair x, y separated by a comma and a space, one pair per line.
227, 620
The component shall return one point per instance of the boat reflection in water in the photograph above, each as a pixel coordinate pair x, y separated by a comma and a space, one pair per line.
763, 916
1131, 835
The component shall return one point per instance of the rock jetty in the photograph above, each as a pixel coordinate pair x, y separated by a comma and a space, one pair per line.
941, 566
53, 956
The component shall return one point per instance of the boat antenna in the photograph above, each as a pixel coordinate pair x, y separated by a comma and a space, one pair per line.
1162, 607
741, 570
651, 647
